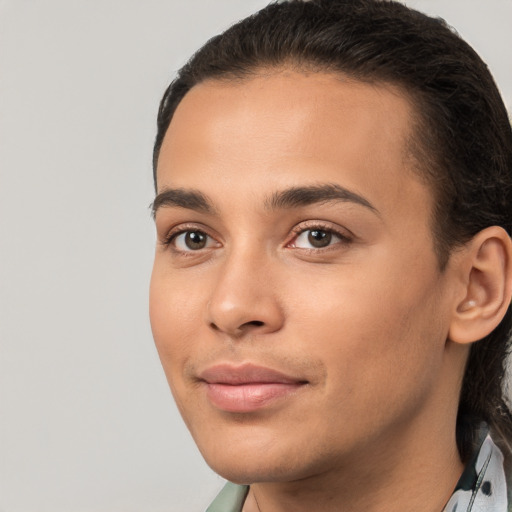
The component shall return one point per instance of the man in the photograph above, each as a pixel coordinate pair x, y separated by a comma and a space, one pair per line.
332, 280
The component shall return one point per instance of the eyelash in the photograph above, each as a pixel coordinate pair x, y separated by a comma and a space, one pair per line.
344, 238
170, 237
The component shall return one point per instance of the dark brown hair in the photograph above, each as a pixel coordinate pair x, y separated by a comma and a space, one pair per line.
462, 143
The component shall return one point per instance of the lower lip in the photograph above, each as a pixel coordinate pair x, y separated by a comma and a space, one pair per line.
248, 397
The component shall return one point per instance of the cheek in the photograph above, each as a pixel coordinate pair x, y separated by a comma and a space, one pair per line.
173, 332
371, 333
174, 319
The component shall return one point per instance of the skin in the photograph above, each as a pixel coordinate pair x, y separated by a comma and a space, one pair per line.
363, 321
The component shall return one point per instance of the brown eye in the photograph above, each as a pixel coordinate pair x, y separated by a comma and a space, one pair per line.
192, 241
319, 238
195, 240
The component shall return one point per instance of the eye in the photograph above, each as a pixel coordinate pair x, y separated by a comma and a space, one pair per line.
191, 240
317, 238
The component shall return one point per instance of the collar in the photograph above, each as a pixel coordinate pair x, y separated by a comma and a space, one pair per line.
482, 486
230, 499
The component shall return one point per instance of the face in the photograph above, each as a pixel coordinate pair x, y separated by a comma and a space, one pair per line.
296, 300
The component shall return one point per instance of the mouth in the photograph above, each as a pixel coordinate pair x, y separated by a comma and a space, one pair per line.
248, 387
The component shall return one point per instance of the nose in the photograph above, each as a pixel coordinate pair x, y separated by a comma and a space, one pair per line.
244, 300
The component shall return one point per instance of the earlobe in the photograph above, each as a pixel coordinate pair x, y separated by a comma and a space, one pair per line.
487, 276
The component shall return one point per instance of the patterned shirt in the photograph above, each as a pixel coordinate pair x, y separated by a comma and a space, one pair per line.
481, 488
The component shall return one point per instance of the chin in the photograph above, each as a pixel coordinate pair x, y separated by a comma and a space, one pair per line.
248, 464
239, 463
246, 473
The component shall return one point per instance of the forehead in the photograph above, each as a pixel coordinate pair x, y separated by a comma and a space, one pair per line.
280, 128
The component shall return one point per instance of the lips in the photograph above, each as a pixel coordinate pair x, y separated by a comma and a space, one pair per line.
247, 388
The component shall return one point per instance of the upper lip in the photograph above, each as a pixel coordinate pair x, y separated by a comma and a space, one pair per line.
245, 374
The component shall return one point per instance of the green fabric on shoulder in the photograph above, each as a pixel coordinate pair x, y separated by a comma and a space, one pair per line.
230, 499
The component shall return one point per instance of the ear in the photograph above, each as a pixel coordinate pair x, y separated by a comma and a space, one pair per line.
486, 275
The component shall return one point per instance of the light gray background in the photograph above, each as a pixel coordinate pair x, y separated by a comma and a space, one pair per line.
86, 420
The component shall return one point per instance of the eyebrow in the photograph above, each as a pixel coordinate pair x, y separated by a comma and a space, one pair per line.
293, 197
182, 198
303, 196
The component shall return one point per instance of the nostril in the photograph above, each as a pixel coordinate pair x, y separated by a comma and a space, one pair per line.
256, 323
237, 330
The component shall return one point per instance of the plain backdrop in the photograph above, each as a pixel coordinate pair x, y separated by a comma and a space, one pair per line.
86, 420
